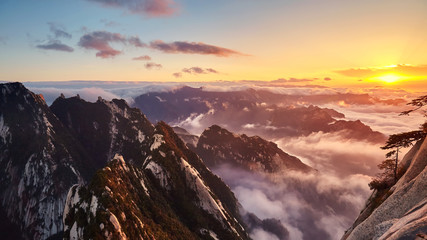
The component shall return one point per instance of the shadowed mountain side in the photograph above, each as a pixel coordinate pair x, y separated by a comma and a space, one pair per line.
105, 127
39, 161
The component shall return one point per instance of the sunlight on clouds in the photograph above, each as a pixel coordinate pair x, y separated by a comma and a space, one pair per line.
389, 78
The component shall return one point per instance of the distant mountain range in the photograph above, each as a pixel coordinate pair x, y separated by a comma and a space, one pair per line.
256, 112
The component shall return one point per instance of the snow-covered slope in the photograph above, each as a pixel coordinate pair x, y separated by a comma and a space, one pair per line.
403, 214
39, 162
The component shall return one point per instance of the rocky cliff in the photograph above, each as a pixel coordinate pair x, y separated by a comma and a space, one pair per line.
401, 212
39, 161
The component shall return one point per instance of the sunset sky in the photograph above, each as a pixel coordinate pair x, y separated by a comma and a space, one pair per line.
333, 43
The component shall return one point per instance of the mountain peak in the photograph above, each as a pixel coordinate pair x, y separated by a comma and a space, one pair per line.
218, 146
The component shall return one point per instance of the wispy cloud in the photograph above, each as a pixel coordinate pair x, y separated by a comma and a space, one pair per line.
142, 58
152, 8
135, 41
59, 31
195, 70
100, 40
152, 65
177, 74
192, 48
198, 70
109, 23
419, 70
291, 80
55, 45
53, 42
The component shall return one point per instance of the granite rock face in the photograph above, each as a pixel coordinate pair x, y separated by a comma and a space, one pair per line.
403, 214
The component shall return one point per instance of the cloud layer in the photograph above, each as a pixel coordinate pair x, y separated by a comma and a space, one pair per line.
55, 45
420, 70
101, 40
192, 48
152, 8
310, 206
59, 31
195, 71
152, 65
142, 58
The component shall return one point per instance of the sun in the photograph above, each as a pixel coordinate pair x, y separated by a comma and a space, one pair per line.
389, 78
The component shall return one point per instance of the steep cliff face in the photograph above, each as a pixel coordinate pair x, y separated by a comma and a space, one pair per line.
172, 196
218, 146
39, 161
401, 213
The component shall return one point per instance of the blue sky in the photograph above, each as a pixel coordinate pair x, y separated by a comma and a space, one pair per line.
274, 39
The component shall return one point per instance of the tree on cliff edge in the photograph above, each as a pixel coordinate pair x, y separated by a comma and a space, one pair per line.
391, 172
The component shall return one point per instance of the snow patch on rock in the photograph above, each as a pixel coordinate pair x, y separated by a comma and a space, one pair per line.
158, 141
206, 201
160, 174
141, 136
4, 131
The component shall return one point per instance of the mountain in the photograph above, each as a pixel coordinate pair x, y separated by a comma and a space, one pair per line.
255, 112
105, 128
90, 170
218, 146
39, 161
189, 139
401, 211
173, 196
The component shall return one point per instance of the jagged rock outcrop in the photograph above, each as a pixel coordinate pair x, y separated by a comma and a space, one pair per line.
218, 146
105, 128
174, 196
39, 161
401, 212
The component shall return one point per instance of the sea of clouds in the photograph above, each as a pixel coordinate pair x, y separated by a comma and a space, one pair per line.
319, 205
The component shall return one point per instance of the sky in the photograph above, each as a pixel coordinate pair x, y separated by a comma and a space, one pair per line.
333, 42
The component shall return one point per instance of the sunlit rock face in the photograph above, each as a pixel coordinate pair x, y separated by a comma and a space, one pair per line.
402, 213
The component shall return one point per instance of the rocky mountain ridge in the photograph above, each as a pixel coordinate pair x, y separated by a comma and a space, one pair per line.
57, 160
218, 146
40, 160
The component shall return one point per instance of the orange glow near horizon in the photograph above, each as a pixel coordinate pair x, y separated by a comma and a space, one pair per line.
390, 78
